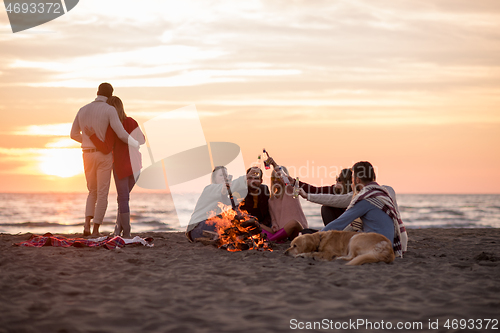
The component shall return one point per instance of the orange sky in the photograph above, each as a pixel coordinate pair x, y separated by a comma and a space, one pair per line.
412, 87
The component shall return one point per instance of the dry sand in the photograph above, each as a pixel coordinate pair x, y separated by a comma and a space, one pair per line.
181, 287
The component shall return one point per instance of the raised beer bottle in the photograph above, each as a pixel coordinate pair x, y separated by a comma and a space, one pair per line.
265, 157
258, 163
296, 188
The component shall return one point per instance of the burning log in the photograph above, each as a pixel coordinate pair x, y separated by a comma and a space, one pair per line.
243, 234
235, 232
236, 229
235, 247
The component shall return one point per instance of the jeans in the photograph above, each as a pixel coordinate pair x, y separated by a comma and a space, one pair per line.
123, 188
207, 225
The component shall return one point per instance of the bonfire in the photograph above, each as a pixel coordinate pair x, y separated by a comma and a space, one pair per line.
236, 230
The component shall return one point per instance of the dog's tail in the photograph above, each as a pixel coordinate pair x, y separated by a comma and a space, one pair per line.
381, 252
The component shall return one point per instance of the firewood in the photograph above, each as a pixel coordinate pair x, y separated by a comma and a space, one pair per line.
250, 223
207, 241
237, 246
210, 234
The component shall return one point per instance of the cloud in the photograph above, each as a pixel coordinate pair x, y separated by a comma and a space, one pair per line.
275, 54
167, 46
44, 130
19, 161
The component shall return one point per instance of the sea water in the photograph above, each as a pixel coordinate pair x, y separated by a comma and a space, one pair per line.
155, 212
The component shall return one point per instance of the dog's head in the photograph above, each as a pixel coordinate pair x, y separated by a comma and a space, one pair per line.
304, 244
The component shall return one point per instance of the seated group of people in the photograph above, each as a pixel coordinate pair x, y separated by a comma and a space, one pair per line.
278, 214
356, 202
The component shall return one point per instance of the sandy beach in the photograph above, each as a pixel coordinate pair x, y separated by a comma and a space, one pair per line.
446, 275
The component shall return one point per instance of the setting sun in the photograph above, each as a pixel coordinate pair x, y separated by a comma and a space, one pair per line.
65, 162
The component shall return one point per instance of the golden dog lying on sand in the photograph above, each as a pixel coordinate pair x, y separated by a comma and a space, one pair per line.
357, 248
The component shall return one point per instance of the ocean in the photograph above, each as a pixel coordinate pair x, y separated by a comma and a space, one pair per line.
155, 212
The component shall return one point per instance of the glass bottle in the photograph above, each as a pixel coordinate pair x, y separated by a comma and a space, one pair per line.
296, 188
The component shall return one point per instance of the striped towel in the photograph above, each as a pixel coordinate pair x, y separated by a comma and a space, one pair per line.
109, 243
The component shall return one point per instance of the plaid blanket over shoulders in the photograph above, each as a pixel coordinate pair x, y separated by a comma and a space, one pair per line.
380, 198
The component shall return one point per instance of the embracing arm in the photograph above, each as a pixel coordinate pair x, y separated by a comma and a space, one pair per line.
132, 127
107, 146
138, 135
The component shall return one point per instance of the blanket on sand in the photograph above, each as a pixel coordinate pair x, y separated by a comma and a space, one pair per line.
109, 243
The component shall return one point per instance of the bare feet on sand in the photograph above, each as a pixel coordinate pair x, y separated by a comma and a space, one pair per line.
95, 231
86, 226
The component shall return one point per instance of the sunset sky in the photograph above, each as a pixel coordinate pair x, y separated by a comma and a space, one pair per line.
411, 86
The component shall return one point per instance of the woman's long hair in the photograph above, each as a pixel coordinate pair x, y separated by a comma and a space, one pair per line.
277, 186
217, 168
345, 178
117, 103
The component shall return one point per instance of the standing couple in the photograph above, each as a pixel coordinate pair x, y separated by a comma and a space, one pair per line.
103, 127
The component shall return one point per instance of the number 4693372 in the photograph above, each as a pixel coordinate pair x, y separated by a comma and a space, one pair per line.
34, 8
471, 324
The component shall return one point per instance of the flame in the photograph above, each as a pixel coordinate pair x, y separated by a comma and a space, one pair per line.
236, 235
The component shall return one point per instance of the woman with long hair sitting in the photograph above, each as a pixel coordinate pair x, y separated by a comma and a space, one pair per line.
287, 216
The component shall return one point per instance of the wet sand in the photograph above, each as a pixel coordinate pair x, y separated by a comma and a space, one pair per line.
177, 286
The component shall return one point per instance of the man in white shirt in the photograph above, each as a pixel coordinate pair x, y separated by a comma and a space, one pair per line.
97, 165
